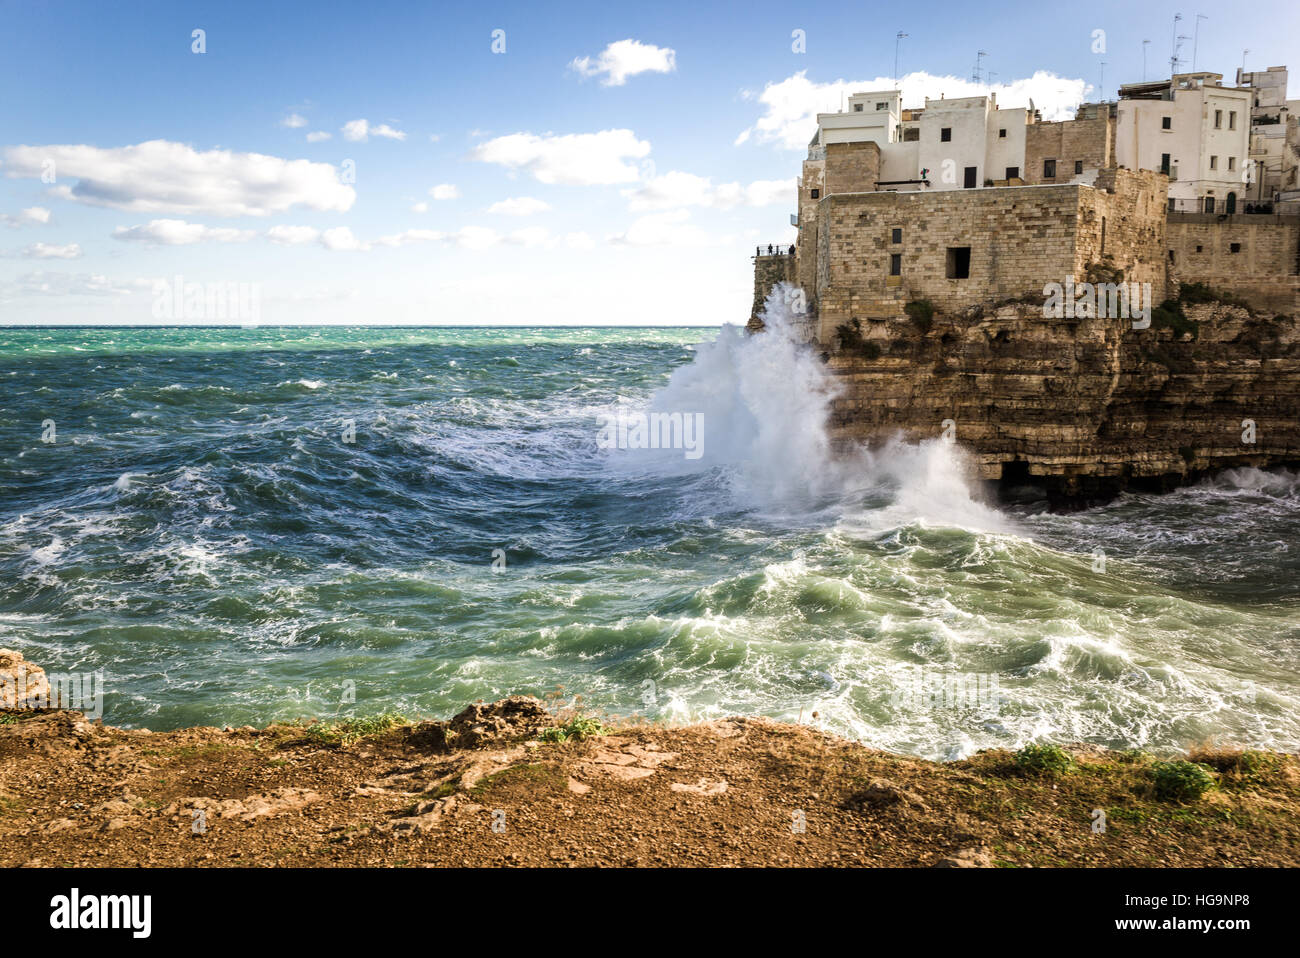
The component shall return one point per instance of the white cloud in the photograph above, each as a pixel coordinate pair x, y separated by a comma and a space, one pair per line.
444, 191
791, 105
29, 216
665, 229
50, 251
420, 207
284, 235
580, 159
160, 176
578, 241
41, 283
519, 206
340, 238
180, 233
434, 137
359, 131
407, 237
676, 189
626, 58
318, 136
293, 121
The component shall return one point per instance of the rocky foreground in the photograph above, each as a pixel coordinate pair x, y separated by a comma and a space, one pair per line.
511, 783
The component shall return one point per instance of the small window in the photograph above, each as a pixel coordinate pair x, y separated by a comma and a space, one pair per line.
1214, 162
1232, 162
882, 106
959, 262
945, 134
971, 175
1172, 205
1002, 134
857, 108
911, 134
816, 194
1199, 248
1013, 172
1164, 163
896, 264
897, 236
1049, 169
1209, 204
1218, 119
1078, 166
1166, 123
1232, 119
1234, 247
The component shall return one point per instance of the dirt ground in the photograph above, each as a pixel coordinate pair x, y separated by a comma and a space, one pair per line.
495, 787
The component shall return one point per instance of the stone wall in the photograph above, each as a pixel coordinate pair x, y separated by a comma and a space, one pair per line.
1090, 140
852, 167
1019, 238
1264, 269
813, 182
1122, 225
768, 271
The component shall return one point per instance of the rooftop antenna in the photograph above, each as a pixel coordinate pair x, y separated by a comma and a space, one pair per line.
976, 75
898, 38
1145, 44
1101, 89
1243, 60
1196, 34
1173, 57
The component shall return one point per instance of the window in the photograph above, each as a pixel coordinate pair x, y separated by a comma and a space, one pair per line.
897, 236
1234, 247
971, 173
895, 264
1166, 123
1002, 134
1232, 162
911, 134
1232, 119
1199, 248
1214, 162
1013, 172
1164, 163
1078, 166
1173, 205
945, 134
959, 262
1218, 119
1049, 169
857, 108
882, 106
816, 194
1209, 204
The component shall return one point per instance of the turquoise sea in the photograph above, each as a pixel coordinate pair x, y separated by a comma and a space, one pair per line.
241, 525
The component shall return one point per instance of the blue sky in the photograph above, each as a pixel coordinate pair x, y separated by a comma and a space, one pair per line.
567, 196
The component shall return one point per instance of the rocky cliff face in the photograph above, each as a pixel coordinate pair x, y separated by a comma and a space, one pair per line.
1083, 407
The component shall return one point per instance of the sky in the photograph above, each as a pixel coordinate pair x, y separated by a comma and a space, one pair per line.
530, 163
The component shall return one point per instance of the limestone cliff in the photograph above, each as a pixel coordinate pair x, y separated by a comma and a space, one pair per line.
1084, 407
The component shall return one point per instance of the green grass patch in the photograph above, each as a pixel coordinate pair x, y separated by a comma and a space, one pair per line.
1049, 760
351, 730
577, 729
1181, 781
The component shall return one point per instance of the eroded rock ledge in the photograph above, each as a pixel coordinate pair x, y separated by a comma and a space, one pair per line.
1082, 407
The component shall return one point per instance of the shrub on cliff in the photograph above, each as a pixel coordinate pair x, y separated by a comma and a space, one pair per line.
921, 312
1170, 315
1181, 781
851, 339
1050, 760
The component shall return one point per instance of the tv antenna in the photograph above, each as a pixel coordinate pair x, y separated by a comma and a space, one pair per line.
977, 75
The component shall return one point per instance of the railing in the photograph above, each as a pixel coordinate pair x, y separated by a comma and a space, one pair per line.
775, 249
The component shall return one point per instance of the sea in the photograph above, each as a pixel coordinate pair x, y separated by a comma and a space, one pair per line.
234, 526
